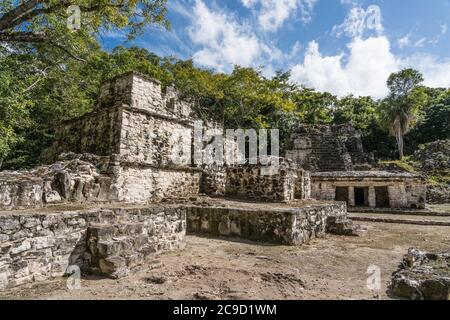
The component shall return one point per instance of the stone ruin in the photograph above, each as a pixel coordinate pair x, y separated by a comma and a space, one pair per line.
422, 276
110, 196
321, 148
342, 171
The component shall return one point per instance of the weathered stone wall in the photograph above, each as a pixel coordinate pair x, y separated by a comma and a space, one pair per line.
213, 180
404, 190
154, 140
251, 182
39, 246
137, 184
327, 148
72, 179
96, 133
138, 91
289, 226
303, 185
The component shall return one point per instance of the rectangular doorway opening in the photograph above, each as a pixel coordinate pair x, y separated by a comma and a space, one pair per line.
382, 197
342, 194
362, 197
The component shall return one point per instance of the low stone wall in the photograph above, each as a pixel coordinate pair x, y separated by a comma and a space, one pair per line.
288, 226
39, 246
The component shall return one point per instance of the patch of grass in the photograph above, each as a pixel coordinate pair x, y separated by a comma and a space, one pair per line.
438, 178
405, 164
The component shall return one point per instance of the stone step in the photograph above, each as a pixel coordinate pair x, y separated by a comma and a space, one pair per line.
116, 249
342, 227
409, 212
401, 219
107, 231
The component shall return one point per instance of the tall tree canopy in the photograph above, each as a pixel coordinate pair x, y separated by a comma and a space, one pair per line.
45, 21
399, 109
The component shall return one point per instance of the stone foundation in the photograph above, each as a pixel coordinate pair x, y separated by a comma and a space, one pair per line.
35, 246
278, 225
39, 246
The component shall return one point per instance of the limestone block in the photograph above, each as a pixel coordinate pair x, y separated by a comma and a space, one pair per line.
52, 197
20, 247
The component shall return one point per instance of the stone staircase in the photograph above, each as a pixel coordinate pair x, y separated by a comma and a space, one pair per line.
328, 154
342, 226
117, 249
323, 148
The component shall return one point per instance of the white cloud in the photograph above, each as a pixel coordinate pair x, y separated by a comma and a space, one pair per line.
404, 41
435, 71
368, 65
273, 13
226, 42
352, 3
420, 43
365, 69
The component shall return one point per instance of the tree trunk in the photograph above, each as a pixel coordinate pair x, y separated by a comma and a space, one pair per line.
400, 142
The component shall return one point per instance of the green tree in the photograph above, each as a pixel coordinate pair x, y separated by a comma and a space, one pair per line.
360, 111
435, 124
43, 23
314, 107
50, 73
399, 110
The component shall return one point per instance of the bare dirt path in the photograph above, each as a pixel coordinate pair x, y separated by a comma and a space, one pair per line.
329, 268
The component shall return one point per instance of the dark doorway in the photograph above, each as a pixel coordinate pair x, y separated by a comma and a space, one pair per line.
342, 194
382, 197
362, 197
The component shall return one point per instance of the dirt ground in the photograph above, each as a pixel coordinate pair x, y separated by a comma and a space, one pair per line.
328, 268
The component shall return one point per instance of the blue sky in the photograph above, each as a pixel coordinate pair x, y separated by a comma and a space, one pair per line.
340, 46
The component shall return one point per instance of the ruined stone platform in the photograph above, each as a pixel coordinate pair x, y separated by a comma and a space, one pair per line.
294, 223
112, 240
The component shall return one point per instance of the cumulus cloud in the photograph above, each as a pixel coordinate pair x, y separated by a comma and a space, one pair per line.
224, 41
362, 72
273, 13
365, 69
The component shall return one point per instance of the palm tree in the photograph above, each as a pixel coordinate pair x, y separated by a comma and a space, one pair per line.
399, 109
